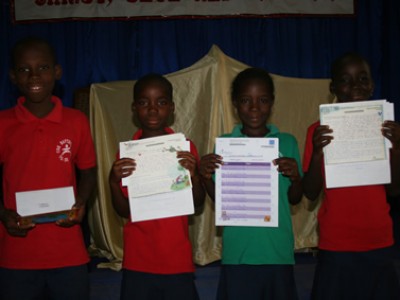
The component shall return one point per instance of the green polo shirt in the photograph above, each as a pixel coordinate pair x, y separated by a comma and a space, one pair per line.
264, 245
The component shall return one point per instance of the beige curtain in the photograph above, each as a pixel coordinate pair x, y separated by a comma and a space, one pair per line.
203, 112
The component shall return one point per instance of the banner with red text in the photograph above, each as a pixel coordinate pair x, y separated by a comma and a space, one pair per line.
25, 10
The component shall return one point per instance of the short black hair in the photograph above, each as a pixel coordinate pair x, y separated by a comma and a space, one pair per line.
24, 43
152, 77
250, 74
344, 59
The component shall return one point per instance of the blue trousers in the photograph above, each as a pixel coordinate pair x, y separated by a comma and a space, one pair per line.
258, 282
356, 276
58, 284
146, 286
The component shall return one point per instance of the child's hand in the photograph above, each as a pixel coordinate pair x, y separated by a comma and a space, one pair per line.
122, 168
11, 221
208, 164
288, 168
321, 138
75, 216
391, 131
188, 161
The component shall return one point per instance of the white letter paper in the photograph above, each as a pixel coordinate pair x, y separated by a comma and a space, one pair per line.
159, 187
358, 154
247, 182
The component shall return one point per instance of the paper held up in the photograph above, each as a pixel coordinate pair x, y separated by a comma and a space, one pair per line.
161, 206
246, 184
43, 206
358, 153
159, 187
157, 166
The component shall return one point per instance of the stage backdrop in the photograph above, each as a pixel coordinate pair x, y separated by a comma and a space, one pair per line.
203, 112
101, 51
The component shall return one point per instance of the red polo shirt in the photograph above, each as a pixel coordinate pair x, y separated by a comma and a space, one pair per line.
158, 246
351, 218
42, 153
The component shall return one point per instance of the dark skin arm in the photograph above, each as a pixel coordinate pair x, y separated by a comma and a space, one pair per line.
10, 218
313, 180
391, 131
189, 162
86, 185
121, 168
288, 167
208, 164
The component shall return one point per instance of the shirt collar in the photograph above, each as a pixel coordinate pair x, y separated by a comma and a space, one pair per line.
24, 115
237, 131
138, 134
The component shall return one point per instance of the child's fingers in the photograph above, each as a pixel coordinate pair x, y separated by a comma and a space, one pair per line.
208, 164
188, 165
322, 137
184, 154
286, 166
206, 170
74, 217
127, 170
16, 227
122, 168
124, 162
212, 159
391, 131
186, 157
187, 160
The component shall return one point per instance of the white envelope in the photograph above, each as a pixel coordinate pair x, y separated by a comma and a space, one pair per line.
39, 202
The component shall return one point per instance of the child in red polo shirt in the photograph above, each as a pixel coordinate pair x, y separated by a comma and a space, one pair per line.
355, 259
157, 261
42, 144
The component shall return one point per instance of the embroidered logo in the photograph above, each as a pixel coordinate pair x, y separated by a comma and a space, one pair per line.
63, 150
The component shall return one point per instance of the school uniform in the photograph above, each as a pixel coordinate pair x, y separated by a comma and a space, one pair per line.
158, 255
42, 153
258, 261
355, 239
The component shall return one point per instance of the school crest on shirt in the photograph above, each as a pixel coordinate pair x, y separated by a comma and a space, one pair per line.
64, 150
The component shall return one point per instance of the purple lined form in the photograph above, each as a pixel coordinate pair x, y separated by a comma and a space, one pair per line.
244, 183
245, 176
246, 190
244, 208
